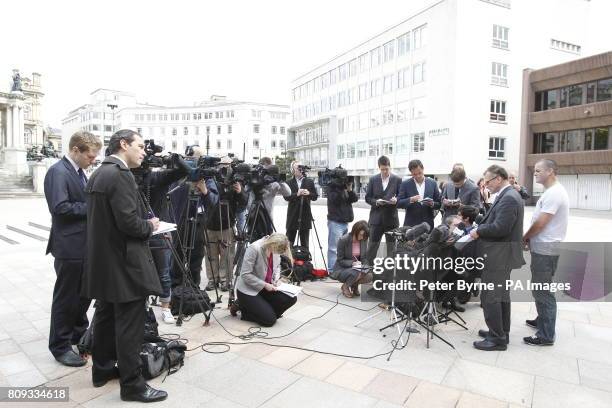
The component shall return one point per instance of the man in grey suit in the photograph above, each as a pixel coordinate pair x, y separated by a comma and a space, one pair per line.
382, 193
460, 191
499, 238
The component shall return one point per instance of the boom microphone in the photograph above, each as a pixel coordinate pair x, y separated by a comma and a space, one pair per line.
410, 233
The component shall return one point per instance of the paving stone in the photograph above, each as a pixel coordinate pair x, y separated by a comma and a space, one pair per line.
392, 387
353, 376
550, 393
432, 395
318, 366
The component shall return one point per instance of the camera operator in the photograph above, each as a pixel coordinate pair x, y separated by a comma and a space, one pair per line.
220, 224
184, 209
340, 199
522, 190
271, 190
154, 183
302, 193
120, 274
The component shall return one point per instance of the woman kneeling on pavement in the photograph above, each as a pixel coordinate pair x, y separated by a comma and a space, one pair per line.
259, 300
351, 253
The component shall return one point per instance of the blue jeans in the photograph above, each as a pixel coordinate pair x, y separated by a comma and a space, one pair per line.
543, 268
162, 257
335, 231
241, 217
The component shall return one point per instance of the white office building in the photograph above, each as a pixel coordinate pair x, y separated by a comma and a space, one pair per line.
443, 86
249, 130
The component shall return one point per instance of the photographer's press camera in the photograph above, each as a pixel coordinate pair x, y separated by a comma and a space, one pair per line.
337, 177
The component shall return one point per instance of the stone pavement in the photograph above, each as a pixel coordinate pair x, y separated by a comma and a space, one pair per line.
577, 370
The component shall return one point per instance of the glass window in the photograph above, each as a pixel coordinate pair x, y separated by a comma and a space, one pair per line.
218, 144
588, 139
363, 62
590, 92
361, 149
185, 131
350, 151
255, 128
340, 151
229, 128
402, 144
601, 138
388, 84
497, 148
273, 130
363, 120
564, 96
418, 142
389, 50
499, 74
403, 44
500, 36
282, 130
551, 99
218, 130
403, 109
604, 90
575, 95
572, 141
388, 115
256, 143
342, 72
498, 111
418, 73
418, 37
403, 78
229, 144
363, 91
376, 56
333, 76
387, 145
374, 148
375, 118
418, 108
353, 67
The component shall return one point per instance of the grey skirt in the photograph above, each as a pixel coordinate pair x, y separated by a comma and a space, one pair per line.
346, 275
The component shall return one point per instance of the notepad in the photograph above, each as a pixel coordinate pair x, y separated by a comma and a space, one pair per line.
164, 227
289, 289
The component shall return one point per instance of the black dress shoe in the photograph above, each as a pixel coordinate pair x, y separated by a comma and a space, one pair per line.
101, 380
487, 345
532, 323
536, 341
485, 333
147, 395
71, 359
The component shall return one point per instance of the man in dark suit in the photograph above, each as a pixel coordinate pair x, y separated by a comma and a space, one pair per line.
303, 191
499, 238
419, 195
120, 272
382, 193
459, 191
65, 193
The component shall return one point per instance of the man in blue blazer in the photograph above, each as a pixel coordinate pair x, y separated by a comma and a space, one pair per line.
65, 193
419, 195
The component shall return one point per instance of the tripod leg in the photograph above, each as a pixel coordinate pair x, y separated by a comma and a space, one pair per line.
319, 242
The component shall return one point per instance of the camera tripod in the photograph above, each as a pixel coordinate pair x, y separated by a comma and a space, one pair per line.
396, 315
298, 240
257, 217
183, 263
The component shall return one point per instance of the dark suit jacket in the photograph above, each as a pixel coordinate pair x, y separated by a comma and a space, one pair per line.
65, 196
417, 213
501, 232
345, 252
384, 215
293, 209
469, 194
119, 265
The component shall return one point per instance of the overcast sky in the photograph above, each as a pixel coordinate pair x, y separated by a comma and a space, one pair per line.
179, 52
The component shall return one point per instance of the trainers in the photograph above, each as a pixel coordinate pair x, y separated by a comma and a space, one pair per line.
536, 341
167, 316
210, 286
223, 287
532, 323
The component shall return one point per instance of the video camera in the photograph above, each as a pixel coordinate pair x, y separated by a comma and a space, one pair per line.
337, 177
304, 169
152, 160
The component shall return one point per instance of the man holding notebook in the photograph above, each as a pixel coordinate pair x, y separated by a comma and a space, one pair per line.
419, 195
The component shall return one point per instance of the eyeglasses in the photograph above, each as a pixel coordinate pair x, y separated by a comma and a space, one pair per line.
487, 181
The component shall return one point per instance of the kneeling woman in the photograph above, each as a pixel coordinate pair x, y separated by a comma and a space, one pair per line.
351, 253
258, 299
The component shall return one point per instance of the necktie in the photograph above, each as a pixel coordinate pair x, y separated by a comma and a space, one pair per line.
83, 177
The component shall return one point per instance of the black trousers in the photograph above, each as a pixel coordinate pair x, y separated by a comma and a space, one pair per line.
304, 236
118, 334
376, 234
265, 307
68, 309
496, 305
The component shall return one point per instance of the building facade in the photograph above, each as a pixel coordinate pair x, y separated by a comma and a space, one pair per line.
568, 118
246, 129
442, 86
21, 125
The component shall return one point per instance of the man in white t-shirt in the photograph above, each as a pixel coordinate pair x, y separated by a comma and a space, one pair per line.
548, 228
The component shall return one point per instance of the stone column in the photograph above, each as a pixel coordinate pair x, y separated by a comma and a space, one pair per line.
14, 154
9, 126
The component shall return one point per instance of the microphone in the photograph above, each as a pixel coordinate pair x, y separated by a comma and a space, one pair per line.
410, 233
